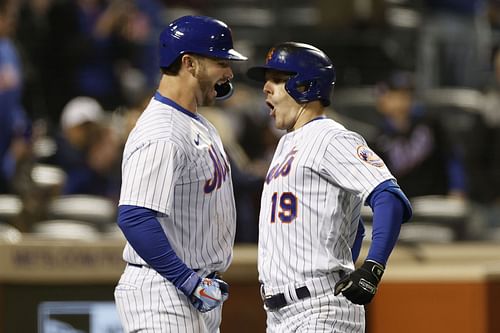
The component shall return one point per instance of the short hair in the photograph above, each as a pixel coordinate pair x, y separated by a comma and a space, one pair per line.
174, 68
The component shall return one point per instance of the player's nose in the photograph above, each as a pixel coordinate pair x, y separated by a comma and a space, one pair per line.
228, 74
267, 89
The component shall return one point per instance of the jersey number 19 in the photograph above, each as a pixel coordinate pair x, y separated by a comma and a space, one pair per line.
287, 206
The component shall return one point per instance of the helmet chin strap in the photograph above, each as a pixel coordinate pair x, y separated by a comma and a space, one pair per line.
301, 110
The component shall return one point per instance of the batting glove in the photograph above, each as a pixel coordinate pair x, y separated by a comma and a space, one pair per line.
361, 285
209, 294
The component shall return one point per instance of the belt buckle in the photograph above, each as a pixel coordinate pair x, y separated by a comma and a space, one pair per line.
268, 298
264, 297
261, 291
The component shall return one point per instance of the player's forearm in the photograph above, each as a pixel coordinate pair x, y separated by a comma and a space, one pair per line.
387, 218
146, 236
390, 208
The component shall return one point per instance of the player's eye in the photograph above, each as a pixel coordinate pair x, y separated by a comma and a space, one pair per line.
223, 64
277, 77
278, 80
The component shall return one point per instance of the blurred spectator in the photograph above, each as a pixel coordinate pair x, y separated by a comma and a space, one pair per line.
454, 44
14, 125
247, 188
246, 131
96, 48
488, 194
246, 184
492, 97
254, 130
145, 23
483, 161
87, 150
494, 18
33, 38
414, 145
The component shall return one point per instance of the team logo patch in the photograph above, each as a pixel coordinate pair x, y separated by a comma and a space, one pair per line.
367, 155
269, 55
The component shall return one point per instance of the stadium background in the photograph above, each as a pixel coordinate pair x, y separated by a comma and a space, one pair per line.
58, 239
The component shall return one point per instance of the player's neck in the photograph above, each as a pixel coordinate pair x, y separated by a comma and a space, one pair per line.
171, 87
306, 114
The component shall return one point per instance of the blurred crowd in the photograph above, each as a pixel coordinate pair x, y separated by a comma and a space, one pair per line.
76, 74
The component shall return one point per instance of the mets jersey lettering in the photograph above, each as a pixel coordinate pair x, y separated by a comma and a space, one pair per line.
281, 169
220, 172
320, 177
174, 163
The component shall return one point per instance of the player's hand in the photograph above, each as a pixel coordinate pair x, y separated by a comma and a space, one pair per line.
209, 294
361, 285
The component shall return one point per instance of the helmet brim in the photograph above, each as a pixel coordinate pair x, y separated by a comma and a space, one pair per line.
228, 54
235, 55
258, 73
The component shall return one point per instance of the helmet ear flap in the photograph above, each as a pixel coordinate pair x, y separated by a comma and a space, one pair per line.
305, 86
302, 90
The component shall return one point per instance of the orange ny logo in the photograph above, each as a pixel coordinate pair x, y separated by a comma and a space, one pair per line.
269, 55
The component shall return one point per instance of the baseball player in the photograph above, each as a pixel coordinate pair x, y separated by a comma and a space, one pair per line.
310, 229
176, 205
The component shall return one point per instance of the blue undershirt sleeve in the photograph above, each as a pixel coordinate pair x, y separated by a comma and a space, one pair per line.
356, 247
390, 208
456, 174
145, 234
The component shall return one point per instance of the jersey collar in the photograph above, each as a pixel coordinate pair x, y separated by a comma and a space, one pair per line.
162, 99
310, 121
314, 119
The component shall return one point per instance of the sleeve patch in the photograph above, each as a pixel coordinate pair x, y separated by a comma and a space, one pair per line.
368, 156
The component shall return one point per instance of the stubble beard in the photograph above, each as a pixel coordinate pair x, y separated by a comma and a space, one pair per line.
206, 88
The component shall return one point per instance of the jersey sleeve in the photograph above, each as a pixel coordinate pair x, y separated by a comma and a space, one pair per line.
150, 174
353, 166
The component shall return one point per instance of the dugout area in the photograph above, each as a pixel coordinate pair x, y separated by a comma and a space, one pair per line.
428, 288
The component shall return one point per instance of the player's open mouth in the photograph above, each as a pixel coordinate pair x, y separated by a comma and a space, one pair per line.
270, 106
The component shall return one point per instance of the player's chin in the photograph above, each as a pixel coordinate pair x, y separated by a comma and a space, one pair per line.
209, 99
279, 124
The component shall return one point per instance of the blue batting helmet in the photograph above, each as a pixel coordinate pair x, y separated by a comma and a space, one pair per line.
201, 35
309, 67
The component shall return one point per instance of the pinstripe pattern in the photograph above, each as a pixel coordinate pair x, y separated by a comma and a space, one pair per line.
326, 313
147, 302
164, 170
175, 164
320, 167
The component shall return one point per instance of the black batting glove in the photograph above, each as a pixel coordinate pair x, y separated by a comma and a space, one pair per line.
361, 285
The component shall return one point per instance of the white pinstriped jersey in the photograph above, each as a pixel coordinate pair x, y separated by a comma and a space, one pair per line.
320, 176
175, 164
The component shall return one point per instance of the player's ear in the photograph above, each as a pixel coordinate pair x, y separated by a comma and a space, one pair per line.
190, 62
